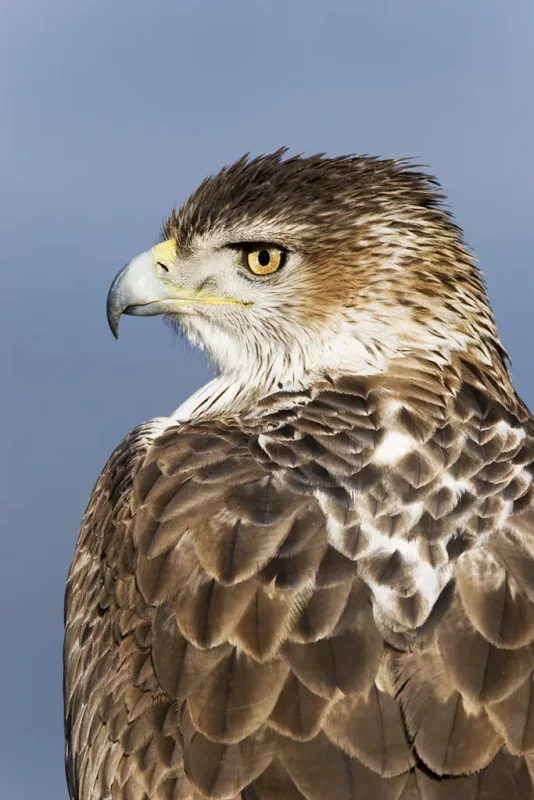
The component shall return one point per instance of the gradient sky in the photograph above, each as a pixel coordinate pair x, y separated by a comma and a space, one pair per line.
113, 111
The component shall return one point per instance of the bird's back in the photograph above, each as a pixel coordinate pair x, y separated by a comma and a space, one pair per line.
329, 599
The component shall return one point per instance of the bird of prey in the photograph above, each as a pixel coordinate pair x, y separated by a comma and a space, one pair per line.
315, 580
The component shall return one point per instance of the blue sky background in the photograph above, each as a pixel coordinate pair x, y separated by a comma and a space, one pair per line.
111, 112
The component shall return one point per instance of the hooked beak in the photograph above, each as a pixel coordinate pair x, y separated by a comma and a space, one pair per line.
139, 290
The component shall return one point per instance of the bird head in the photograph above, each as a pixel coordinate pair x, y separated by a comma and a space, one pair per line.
286, 269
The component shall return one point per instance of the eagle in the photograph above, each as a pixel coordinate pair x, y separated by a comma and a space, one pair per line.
315, 579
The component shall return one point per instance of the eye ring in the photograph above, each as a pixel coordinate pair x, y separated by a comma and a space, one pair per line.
265, 259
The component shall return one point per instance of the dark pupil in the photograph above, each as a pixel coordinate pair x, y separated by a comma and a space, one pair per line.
264, 257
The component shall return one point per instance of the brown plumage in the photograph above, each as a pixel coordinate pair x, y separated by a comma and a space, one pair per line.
315, 581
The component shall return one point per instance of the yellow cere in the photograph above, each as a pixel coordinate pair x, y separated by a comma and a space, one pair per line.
164, 253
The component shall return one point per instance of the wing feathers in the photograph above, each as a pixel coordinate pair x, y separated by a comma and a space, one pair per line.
237, 698
370, 728
514, 718
180, 667
322, 771
489, 674
347, 662
493, 601
267, 622
332, 598
207, 612
299, 712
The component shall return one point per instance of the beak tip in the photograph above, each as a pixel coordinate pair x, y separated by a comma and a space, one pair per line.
114, 304
113, 314
113, 322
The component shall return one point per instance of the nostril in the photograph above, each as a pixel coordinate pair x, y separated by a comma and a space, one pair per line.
163, 266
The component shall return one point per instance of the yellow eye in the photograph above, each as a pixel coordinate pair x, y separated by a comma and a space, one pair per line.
265, 260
